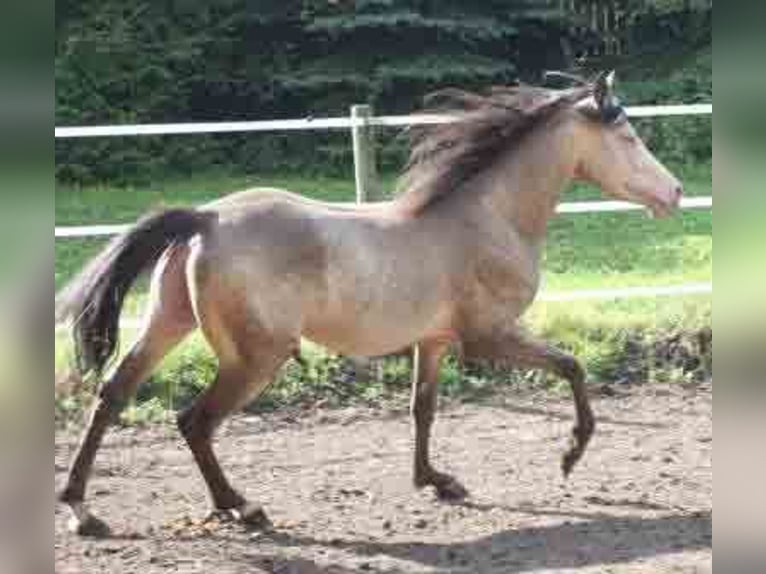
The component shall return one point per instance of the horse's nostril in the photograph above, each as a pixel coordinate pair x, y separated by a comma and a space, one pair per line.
679, 192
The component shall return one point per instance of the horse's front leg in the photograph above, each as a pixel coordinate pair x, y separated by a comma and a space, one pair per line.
427, 359
520, 350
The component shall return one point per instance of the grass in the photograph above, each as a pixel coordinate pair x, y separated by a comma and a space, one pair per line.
667, 340
634, 340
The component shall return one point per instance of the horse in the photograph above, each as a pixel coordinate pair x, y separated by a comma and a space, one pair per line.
450, 263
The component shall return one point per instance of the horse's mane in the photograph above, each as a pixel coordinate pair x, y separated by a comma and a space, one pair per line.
445, 156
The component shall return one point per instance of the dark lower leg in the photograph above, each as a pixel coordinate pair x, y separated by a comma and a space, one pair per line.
568, 368
230, 391
197, 427
114, 395
105, 412
424, 399
113, 398
523, 351
423, 414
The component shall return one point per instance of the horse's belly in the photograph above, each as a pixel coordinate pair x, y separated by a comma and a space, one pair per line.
372, 332
381, 292
357, 344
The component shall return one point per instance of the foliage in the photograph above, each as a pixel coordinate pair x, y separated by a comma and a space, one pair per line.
627, 342
623, 343
686, 139
205, 60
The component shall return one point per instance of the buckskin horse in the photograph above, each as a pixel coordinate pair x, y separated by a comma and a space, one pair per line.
451, 262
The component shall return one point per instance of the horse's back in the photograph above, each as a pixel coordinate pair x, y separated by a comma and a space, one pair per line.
356, 280
252, 198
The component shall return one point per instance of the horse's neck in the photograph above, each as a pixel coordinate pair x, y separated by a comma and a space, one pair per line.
525, 186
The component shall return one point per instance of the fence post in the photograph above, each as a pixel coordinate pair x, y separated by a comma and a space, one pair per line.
363, 137
365, 174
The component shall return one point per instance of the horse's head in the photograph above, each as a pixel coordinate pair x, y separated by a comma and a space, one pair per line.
611, 155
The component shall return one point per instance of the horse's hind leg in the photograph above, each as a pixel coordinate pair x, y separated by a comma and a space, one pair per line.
170, 319
428, 357
236, 384
250, 349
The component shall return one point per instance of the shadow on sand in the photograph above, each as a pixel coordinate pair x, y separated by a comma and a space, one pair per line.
601, 541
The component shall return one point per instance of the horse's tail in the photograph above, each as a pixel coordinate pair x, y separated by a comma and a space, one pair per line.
94, 299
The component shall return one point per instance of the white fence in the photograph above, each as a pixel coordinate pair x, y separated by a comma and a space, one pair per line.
309, 124
358, 123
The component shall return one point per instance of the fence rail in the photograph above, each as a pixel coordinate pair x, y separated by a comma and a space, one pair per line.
313, 124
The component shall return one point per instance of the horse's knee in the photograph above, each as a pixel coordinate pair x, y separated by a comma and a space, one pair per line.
188, 424
570, 368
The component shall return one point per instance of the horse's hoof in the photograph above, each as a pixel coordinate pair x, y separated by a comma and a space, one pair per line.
451, 491
252, 517
89, 526
581, 436
220, 517
569, 460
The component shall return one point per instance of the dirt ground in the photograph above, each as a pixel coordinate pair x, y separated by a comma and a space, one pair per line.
337, 486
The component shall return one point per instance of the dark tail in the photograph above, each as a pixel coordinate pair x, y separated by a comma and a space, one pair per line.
93, 300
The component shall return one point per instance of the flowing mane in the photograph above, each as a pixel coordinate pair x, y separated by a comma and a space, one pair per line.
446, 156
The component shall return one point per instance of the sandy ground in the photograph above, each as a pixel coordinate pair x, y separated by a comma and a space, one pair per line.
337, 486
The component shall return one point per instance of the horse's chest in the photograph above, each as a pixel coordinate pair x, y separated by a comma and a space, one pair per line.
507, 283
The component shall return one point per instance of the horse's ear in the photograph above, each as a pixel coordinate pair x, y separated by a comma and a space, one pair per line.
603, 89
